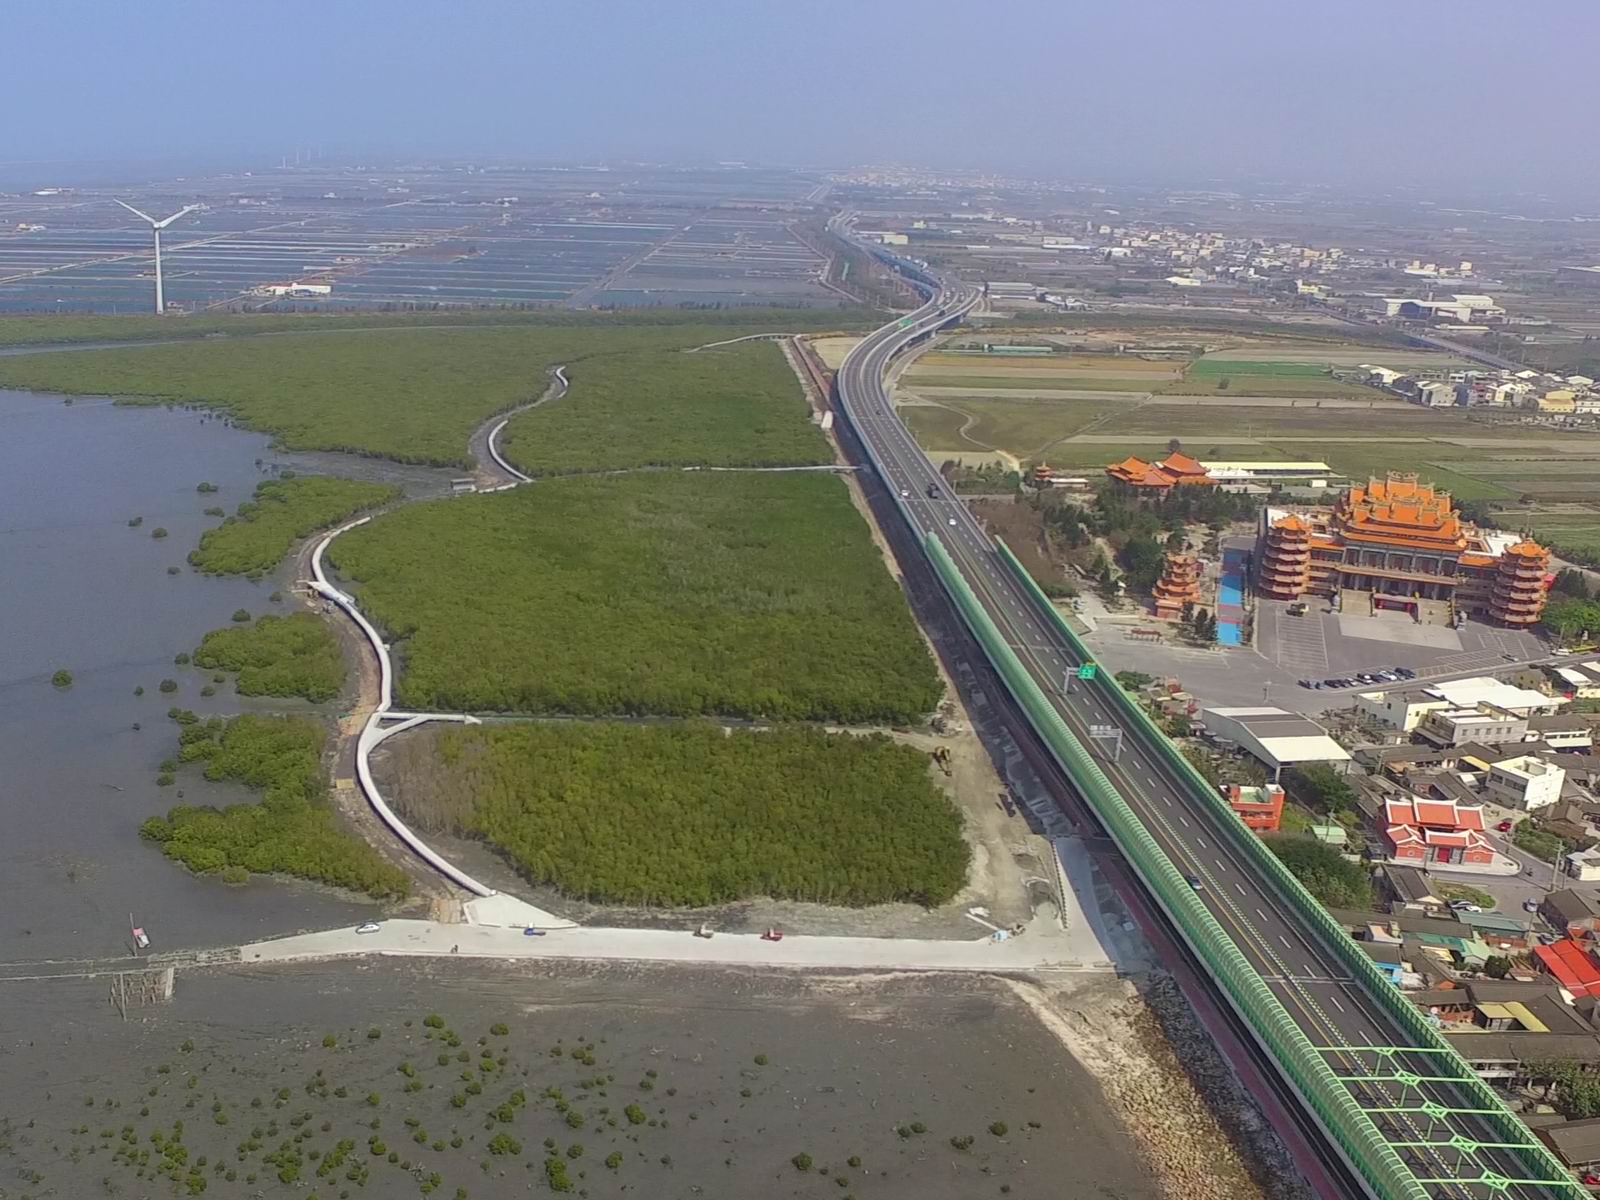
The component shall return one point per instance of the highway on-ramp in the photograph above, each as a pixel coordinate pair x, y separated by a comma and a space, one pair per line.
1303, 970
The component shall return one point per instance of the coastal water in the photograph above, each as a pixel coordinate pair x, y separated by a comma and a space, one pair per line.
81, 591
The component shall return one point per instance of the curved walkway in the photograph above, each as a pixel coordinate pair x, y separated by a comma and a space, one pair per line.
484, 445
507, 909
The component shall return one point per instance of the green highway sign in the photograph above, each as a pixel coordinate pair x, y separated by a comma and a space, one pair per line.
1088, 671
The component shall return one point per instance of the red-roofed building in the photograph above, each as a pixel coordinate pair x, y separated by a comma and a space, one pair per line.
1260, 808
1176, 470
1571, 965
1424, 832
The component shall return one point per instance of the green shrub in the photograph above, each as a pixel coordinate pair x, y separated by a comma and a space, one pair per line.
169, 685
291, 831
297, 655
801, 1161
748, 595
256, 538
158, 533
794, 812
61, 679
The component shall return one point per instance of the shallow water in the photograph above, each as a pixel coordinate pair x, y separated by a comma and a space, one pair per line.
81, 591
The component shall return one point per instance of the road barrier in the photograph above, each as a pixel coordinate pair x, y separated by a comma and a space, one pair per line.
1541, 1164
1357, 1138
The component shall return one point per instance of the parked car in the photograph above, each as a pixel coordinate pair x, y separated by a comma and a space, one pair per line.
1306, 683
369, 927
1505, 826
1465, 906
1405, 672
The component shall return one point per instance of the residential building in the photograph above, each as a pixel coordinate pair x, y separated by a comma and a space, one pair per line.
1397, 544
1575, 1143
1577, 680
1435, 832
1260, 808
1453, 726
1570, 912
1486, 689
1567, 731
1570, 965
1401, 709
1527, 783
1583, 865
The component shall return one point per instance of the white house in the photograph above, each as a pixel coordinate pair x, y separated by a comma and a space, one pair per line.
1527, 783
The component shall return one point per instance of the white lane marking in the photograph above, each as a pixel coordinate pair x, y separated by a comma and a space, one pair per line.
1285, 942
1220, 866
1240, 886
1201, 842
1334, 997
1184, 819
1262, 915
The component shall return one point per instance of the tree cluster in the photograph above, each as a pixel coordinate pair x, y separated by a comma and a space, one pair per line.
260, 533
407, 393
1323, 871
1572, 619
690, 814
297, 655
657, 593
291, 831
738, 405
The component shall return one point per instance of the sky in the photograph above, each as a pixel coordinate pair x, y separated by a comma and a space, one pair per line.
1441, 95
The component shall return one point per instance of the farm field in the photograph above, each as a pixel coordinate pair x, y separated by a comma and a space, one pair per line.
756, 595
1018, 427
409, 394
792, 813
737, 405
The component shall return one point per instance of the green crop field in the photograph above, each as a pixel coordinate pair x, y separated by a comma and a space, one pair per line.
1055, 381
1019, 427
735, 405
660, 592
1205, 367
260, 533
410, 394
690, 814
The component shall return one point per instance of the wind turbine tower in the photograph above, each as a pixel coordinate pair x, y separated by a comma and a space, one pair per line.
156, 227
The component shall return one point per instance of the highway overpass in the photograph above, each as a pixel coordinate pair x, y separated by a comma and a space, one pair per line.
1394, 1103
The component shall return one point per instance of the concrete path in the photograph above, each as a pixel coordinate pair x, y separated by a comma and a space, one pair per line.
1042, 947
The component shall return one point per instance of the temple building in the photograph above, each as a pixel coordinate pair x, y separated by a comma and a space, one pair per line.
1179, 585
1176, 470
1397, 544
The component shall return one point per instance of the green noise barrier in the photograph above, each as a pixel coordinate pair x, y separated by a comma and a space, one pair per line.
1543, 1167
1358, 1138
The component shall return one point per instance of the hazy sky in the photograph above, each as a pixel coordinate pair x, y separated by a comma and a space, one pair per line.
1451, 93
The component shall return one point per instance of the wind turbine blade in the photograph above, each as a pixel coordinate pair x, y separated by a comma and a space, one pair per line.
137, 213
168, 221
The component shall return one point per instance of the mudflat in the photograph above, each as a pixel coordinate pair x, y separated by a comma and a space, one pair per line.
483, 1079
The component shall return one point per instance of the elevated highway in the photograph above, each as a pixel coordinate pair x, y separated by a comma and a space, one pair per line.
1401, 1110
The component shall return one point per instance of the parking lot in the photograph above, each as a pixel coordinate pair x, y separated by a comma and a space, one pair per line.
1323, 644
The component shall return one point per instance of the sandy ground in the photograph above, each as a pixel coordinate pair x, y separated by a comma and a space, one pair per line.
833, 350
879, 1081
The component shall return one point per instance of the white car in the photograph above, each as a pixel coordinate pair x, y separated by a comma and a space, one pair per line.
952, 521
904, 492
1465, 906
369, 927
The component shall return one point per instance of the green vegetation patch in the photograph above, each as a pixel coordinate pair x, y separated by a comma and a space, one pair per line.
291, 831
1326, 874
297, 655
413, 394
255, 539
755, 595
692, 815
732, 406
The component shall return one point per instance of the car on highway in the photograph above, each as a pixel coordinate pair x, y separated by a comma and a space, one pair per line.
1194, 882
904, 493
952, 521
368, 927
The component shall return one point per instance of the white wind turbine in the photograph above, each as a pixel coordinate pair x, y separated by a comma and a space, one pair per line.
156, 227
